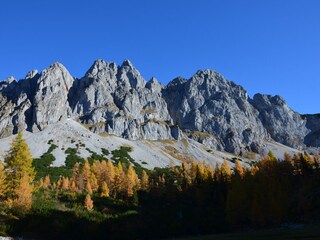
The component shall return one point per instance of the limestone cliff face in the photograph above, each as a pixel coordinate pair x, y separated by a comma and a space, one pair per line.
283, 124
312, 139
118, 100
51, 96
210, 104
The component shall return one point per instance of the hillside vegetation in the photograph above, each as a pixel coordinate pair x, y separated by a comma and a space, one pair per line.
118, 199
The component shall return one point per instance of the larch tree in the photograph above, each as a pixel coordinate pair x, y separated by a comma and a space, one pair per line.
97, 170
76, 177
185, 174
2, 180
93, 182
144, 181
59, 183
104, 190
238, 169
119, 180
23, 201
73, 186
65, 183
132, 181
47, 182
88, 203
88, 188
19, 171
86, 172
226, 170
102, 172
110, 174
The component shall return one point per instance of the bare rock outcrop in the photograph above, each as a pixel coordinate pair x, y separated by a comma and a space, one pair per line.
209, 104
283, 124
51, 96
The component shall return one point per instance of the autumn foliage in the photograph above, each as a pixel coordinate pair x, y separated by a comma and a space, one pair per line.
193, 198
16, 177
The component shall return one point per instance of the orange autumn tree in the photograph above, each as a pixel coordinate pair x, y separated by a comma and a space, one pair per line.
19, 175
88, 203
2, 180
104, 190
132, 182
144, 181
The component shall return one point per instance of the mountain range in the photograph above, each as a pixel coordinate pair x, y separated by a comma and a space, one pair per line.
117, 100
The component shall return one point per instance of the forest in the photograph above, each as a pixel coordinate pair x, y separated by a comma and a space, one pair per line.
117, 199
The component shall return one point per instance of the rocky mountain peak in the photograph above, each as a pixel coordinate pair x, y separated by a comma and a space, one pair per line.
283, 124
116, 99
130, 77
31, 74
9, 80
176, 82
99, 68
51, 96
267, 101
127, 63
154, 85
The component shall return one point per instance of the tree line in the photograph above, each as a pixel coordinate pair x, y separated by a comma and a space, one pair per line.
194, 198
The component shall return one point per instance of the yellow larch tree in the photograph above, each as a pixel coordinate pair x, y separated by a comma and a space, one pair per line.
19, 174
93, 182
238, 169
23, 200
59, 183
86, 172
65, 183
254, 170
54, 186
88, 203
88, 188
185, 174
226, 170
193, 171
102, 172
73, 186
132, 181
144, 181
47, 182
119, 180
96, 170
76, 177
110, 174
104, 190
2, 180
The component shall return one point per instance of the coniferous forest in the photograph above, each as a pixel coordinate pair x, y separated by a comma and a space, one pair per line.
114, 199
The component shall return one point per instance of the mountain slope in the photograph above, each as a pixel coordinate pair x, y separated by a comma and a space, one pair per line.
149, 154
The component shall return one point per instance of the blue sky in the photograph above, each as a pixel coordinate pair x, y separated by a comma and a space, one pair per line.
267, 46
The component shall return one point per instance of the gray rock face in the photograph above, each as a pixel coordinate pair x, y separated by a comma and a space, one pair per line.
15, 105
208, 103
117, 100
283, 124
51, 98
313, 124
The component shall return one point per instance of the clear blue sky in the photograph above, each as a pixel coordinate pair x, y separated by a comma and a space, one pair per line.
267, 46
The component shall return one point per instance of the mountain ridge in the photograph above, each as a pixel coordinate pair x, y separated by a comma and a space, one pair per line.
116, 99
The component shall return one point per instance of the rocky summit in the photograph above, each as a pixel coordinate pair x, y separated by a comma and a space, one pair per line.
118, 100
